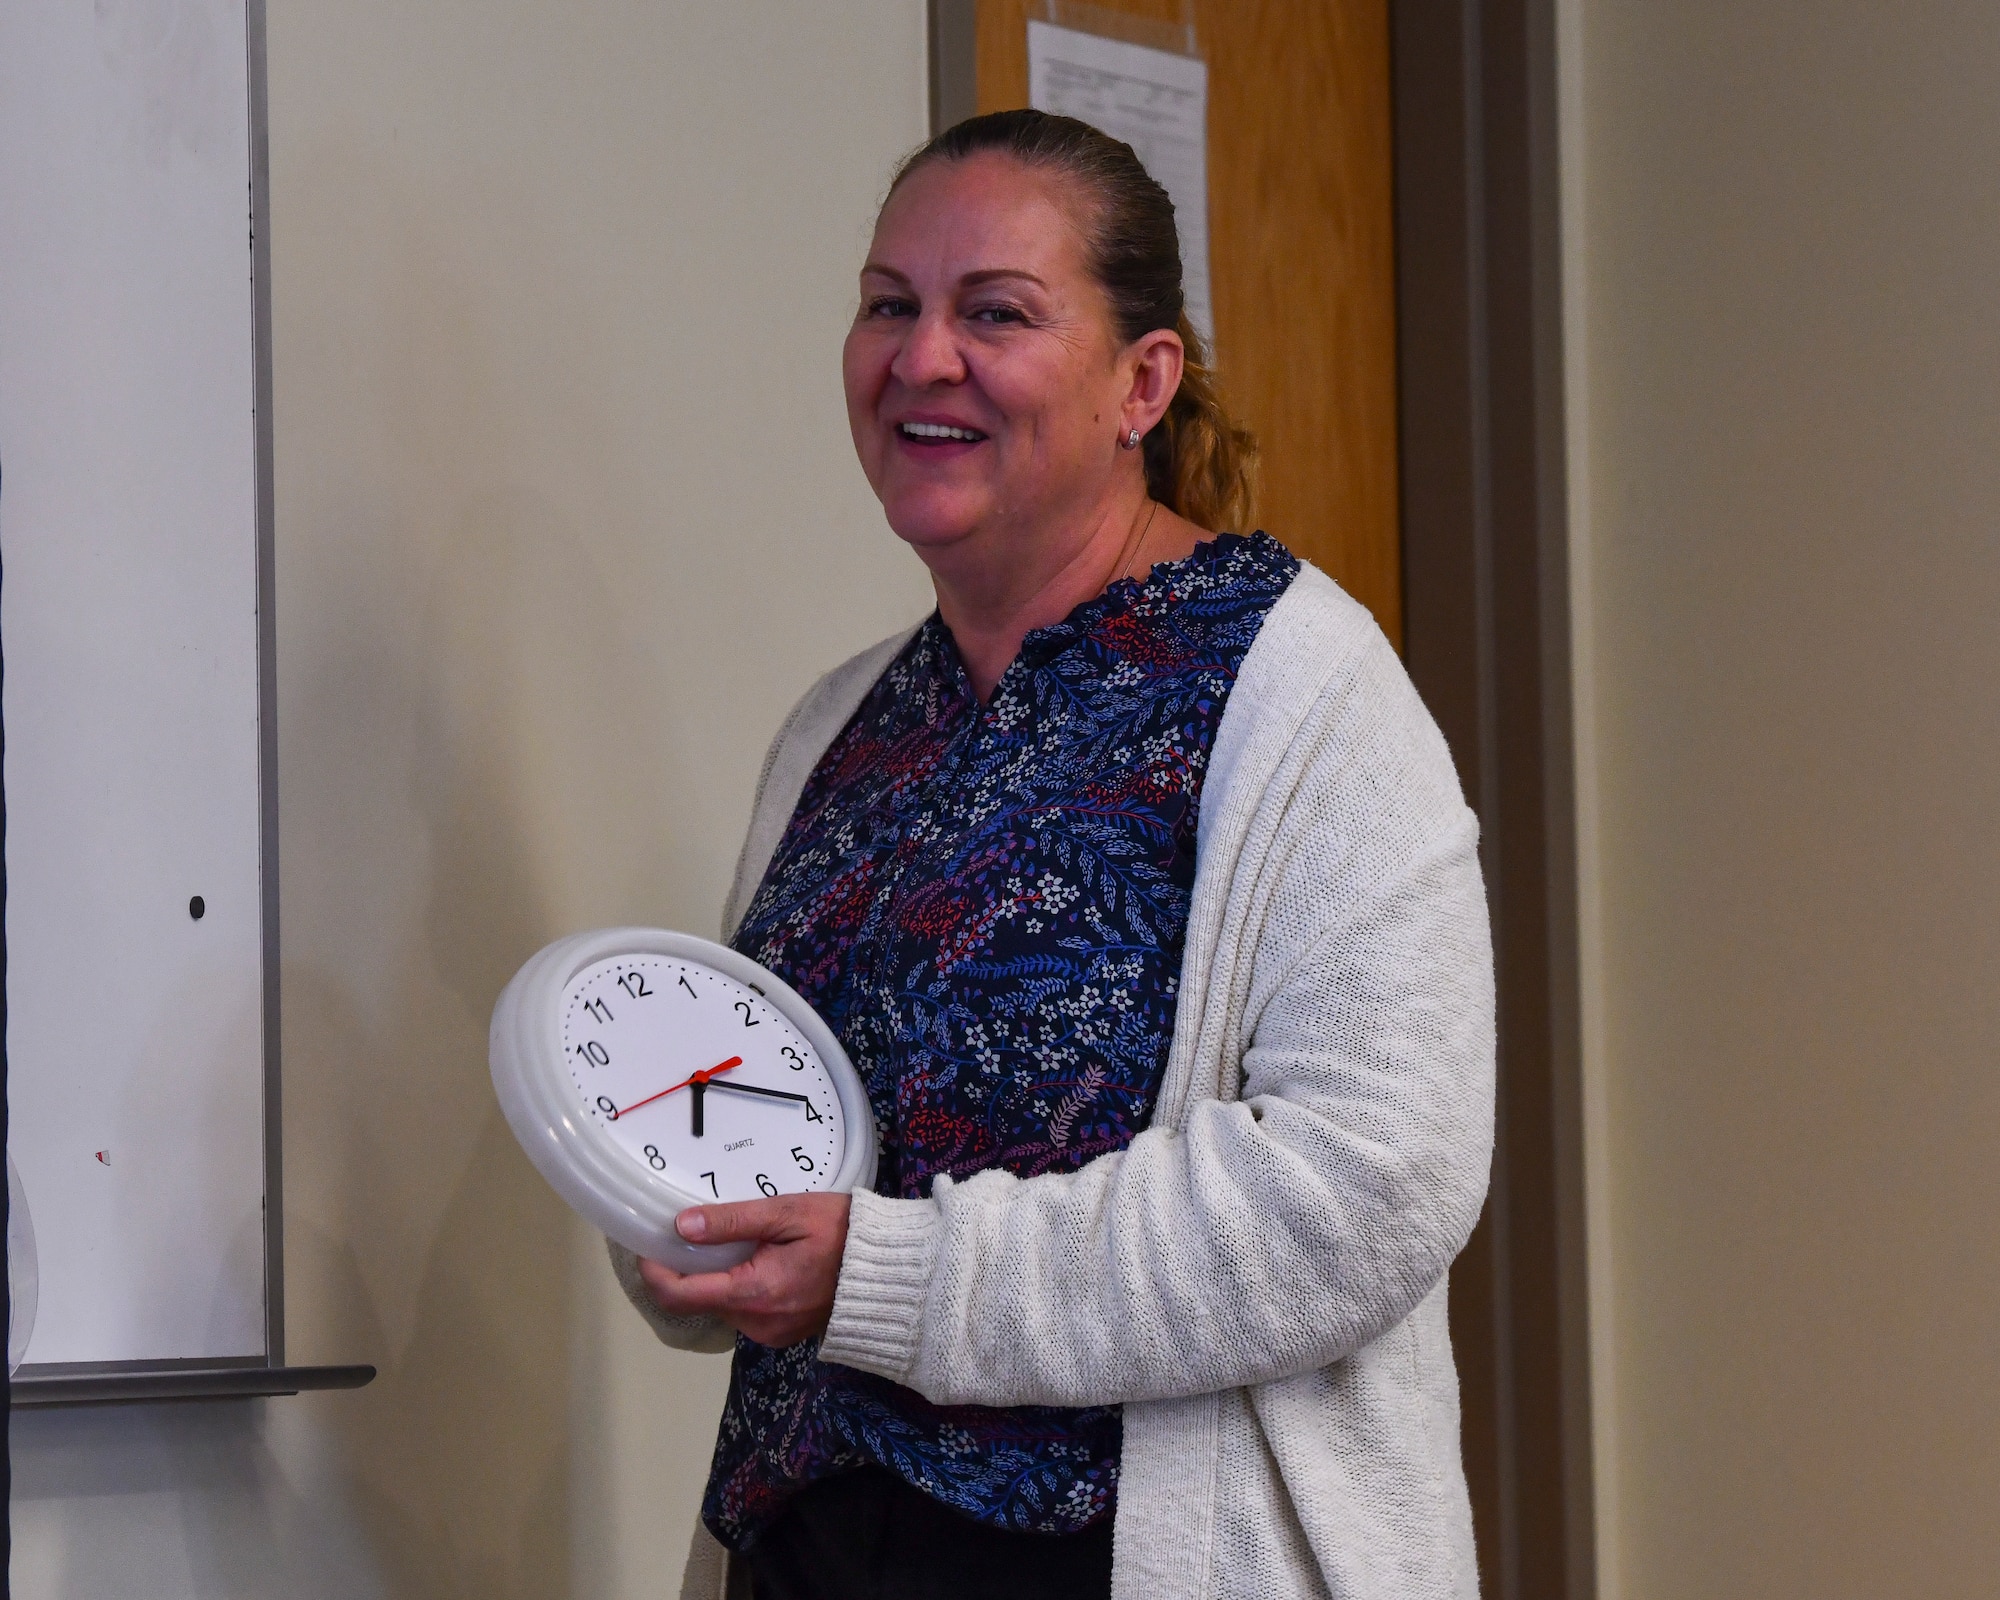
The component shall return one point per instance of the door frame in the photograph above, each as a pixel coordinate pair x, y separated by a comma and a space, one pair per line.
1486, 638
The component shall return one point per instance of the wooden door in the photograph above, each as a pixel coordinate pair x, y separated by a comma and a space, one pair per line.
1303, 277
1301, 231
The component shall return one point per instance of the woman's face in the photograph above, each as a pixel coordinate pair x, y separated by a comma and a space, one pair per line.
986, 387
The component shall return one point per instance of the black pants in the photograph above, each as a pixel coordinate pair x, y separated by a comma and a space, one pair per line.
868, 1535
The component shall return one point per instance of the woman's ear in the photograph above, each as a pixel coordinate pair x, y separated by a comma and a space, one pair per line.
1156, 361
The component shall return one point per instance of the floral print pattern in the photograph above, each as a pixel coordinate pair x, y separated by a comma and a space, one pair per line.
987, 905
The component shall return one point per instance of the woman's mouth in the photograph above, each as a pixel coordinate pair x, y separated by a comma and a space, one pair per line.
937, 433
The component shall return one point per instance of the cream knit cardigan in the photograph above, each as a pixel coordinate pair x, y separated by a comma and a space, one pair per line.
1259, 1277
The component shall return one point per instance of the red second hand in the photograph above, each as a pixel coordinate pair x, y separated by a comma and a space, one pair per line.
699, 1077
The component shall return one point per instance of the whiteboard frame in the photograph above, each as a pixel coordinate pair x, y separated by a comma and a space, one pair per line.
267, 684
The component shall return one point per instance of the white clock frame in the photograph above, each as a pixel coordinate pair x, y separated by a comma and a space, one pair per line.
574, 1152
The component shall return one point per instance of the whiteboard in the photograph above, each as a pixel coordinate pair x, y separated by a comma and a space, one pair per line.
134, 627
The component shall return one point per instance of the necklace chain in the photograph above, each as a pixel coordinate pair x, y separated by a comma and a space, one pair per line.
1129, 561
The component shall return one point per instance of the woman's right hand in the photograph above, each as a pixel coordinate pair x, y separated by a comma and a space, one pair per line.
783, 1293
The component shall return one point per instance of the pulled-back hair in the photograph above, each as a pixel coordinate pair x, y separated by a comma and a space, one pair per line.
1198, 462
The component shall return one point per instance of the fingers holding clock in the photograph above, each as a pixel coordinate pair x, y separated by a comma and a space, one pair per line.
783, 1293
784, 1220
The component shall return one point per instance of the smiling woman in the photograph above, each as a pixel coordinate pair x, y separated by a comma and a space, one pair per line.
1138, 887
1025, 390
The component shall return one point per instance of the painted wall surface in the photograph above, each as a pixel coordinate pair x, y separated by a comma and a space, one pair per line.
567, 516
1783, 251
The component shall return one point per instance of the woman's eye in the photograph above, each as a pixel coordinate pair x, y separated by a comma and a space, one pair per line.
998, 314
889, 306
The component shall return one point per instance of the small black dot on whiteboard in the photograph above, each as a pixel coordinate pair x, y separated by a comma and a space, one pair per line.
196, 907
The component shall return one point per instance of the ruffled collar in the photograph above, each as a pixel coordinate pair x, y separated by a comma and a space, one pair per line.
1218, 563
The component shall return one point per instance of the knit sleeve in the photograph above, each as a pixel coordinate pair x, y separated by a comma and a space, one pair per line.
1273, 1233
710, 1334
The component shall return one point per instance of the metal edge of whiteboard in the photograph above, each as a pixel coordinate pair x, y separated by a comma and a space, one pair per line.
267, 683
30, 1389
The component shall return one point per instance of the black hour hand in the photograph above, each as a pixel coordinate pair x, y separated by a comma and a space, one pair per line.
768, 1094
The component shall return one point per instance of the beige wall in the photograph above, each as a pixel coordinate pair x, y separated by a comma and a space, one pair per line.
567, 515
1784, 314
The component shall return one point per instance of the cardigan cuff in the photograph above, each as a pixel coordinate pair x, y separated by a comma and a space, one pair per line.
885, 1274
708, 1334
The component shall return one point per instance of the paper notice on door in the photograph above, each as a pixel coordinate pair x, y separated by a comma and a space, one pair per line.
1157, 102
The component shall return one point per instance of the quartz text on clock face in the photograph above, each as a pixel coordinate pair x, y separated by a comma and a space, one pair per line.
700, 1079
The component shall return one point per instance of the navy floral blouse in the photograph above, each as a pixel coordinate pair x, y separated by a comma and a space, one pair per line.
987, 905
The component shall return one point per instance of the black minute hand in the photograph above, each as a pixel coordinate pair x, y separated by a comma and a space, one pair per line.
768, 1094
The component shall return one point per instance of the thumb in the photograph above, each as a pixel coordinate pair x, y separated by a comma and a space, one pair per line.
725, 1224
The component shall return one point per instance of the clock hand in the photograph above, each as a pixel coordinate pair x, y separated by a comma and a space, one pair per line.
769, 1094
697, 1078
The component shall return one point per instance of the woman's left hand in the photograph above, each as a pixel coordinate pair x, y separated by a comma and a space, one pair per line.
783, 1293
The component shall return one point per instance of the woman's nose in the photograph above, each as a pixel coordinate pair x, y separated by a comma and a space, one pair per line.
929, 353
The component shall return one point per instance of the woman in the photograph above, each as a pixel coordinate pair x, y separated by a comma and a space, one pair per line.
1139, 887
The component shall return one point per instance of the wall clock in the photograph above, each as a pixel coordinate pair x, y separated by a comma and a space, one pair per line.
645, 1071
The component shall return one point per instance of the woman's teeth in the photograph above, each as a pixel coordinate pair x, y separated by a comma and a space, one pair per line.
936, 430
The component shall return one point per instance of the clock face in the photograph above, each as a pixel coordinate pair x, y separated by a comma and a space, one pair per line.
699, 1079
644, 1071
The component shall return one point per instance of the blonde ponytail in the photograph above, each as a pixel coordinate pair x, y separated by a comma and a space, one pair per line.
1199, 462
